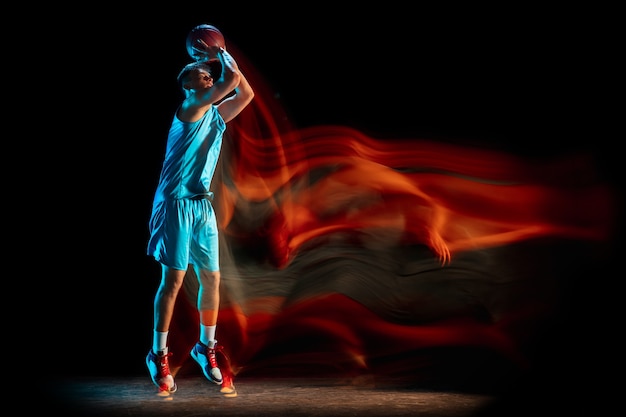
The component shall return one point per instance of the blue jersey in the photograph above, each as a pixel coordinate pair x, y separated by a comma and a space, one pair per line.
183, 229
191, 156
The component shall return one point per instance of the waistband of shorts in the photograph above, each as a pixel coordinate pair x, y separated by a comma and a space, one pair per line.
208, 196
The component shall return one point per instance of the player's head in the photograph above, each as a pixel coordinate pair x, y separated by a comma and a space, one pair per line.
212, 67
184, 74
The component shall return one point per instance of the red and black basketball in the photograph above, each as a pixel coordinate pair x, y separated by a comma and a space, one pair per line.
211, 35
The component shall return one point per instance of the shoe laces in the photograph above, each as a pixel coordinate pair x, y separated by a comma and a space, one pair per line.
163, 365
211, 355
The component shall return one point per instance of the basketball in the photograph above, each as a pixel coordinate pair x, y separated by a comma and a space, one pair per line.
208, 33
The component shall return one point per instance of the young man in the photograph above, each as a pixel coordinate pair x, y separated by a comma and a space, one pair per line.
183, 227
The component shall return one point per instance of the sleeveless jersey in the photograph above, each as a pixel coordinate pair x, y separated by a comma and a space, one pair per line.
191, 156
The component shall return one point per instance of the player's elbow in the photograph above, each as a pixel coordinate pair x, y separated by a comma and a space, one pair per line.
248, 91
249, 96
245, 94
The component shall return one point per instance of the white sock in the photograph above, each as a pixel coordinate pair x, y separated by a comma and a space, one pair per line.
207, 334
159, 342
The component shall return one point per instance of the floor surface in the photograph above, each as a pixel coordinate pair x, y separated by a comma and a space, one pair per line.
136, 396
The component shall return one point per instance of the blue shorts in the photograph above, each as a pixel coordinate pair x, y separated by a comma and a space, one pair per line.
184, 232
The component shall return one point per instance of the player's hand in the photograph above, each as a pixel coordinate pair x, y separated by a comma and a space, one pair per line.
204, 52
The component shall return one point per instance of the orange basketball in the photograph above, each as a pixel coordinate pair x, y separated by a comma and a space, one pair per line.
208, 33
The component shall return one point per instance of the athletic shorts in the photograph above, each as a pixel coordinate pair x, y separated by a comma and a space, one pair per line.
184, 232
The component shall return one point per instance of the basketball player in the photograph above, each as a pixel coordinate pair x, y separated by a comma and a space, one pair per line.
183, 227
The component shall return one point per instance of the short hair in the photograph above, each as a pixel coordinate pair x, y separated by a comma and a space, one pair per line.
213, 67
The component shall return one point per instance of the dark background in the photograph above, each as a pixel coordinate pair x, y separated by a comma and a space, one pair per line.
532, 81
